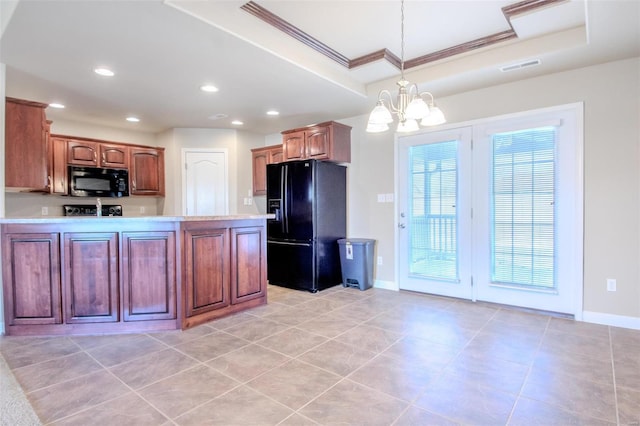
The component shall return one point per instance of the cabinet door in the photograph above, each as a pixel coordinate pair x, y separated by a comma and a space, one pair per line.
248, 263
31, 275
260, 161
276, 155
206, 270
147, 171
82, 153
293, 146
26, 154
91, 277
149, 275
58, 165
114, 156
318, 143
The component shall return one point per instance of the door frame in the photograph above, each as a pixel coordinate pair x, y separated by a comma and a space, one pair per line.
183, 174
578, 246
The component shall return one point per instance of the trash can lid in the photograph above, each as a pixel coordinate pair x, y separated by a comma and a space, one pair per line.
356, 241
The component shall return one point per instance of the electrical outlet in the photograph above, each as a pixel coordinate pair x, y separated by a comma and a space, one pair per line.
379, 260
381, 198
249, 201
388, 198
611, 284
142, 209
45, 211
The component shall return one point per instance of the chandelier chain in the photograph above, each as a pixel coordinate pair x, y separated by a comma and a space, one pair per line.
402, 39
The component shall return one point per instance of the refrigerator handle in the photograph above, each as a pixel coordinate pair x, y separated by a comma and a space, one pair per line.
283, 195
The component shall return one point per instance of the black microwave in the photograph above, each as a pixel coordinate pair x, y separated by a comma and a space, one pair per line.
98, 182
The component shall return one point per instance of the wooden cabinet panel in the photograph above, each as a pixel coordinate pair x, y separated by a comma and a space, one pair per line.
26, 156
293, 146
146, 171
91, 277
318, 143
260, 158
149, 275
207, 270
31, 275
82, 153
114, 156
58, 165
248, 272
276, 155
325, 141
260, 161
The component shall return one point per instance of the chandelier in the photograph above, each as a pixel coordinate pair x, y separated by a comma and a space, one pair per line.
410, 107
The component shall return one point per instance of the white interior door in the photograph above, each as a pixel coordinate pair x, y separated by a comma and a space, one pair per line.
205, 187
498, 219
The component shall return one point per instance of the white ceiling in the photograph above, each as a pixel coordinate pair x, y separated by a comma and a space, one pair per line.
162, 52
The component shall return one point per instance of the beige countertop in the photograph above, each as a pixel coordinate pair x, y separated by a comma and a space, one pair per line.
67, 219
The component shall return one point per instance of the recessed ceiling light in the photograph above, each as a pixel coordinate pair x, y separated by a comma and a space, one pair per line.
209, 88
273, 112
104, 72
133, 119
237, 123
56, 105
217, 116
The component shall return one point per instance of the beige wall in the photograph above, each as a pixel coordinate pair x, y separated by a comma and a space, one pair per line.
238, 145
611, 96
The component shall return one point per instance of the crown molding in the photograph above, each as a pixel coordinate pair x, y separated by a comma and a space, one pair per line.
291, 30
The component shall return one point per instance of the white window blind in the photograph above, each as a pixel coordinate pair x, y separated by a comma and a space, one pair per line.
433, 222
523, 208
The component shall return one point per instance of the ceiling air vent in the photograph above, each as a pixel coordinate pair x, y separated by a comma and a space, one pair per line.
520, 65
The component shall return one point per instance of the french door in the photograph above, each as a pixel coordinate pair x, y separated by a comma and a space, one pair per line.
493, 211
434, 220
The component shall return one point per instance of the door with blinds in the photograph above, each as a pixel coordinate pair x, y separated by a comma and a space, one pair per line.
517, 220
435, 212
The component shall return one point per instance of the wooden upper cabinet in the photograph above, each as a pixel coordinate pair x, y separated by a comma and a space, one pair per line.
58, 165
97, 154
325, 141
293, 146
114, 156
260, 158
26, 156
146, 171
82, 153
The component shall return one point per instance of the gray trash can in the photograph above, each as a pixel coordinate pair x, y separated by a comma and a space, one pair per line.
356, 260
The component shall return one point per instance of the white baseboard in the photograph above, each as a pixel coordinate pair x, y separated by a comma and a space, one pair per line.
611, 319
386, 285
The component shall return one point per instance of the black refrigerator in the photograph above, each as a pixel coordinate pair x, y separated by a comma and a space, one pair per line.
309, 201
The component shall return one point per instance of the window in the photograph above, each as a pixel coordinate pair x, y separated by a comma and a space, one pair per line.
522, 208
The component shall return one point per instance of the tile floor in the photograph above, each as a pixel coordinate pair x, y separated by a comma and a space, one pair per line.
341, 356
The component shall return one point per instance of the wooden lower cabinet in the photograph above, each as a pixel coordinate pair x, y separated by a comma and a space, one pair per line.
149, 277
248, 273
206, 265
31, 275
115, 275
224, 268
91, 277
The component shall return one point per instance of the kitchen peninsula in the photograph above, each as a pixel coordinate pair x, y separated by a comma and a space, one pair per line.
96, 275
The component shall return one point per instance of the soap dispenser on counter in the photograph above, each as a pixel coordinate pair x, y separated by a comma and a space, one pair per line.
98, 207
